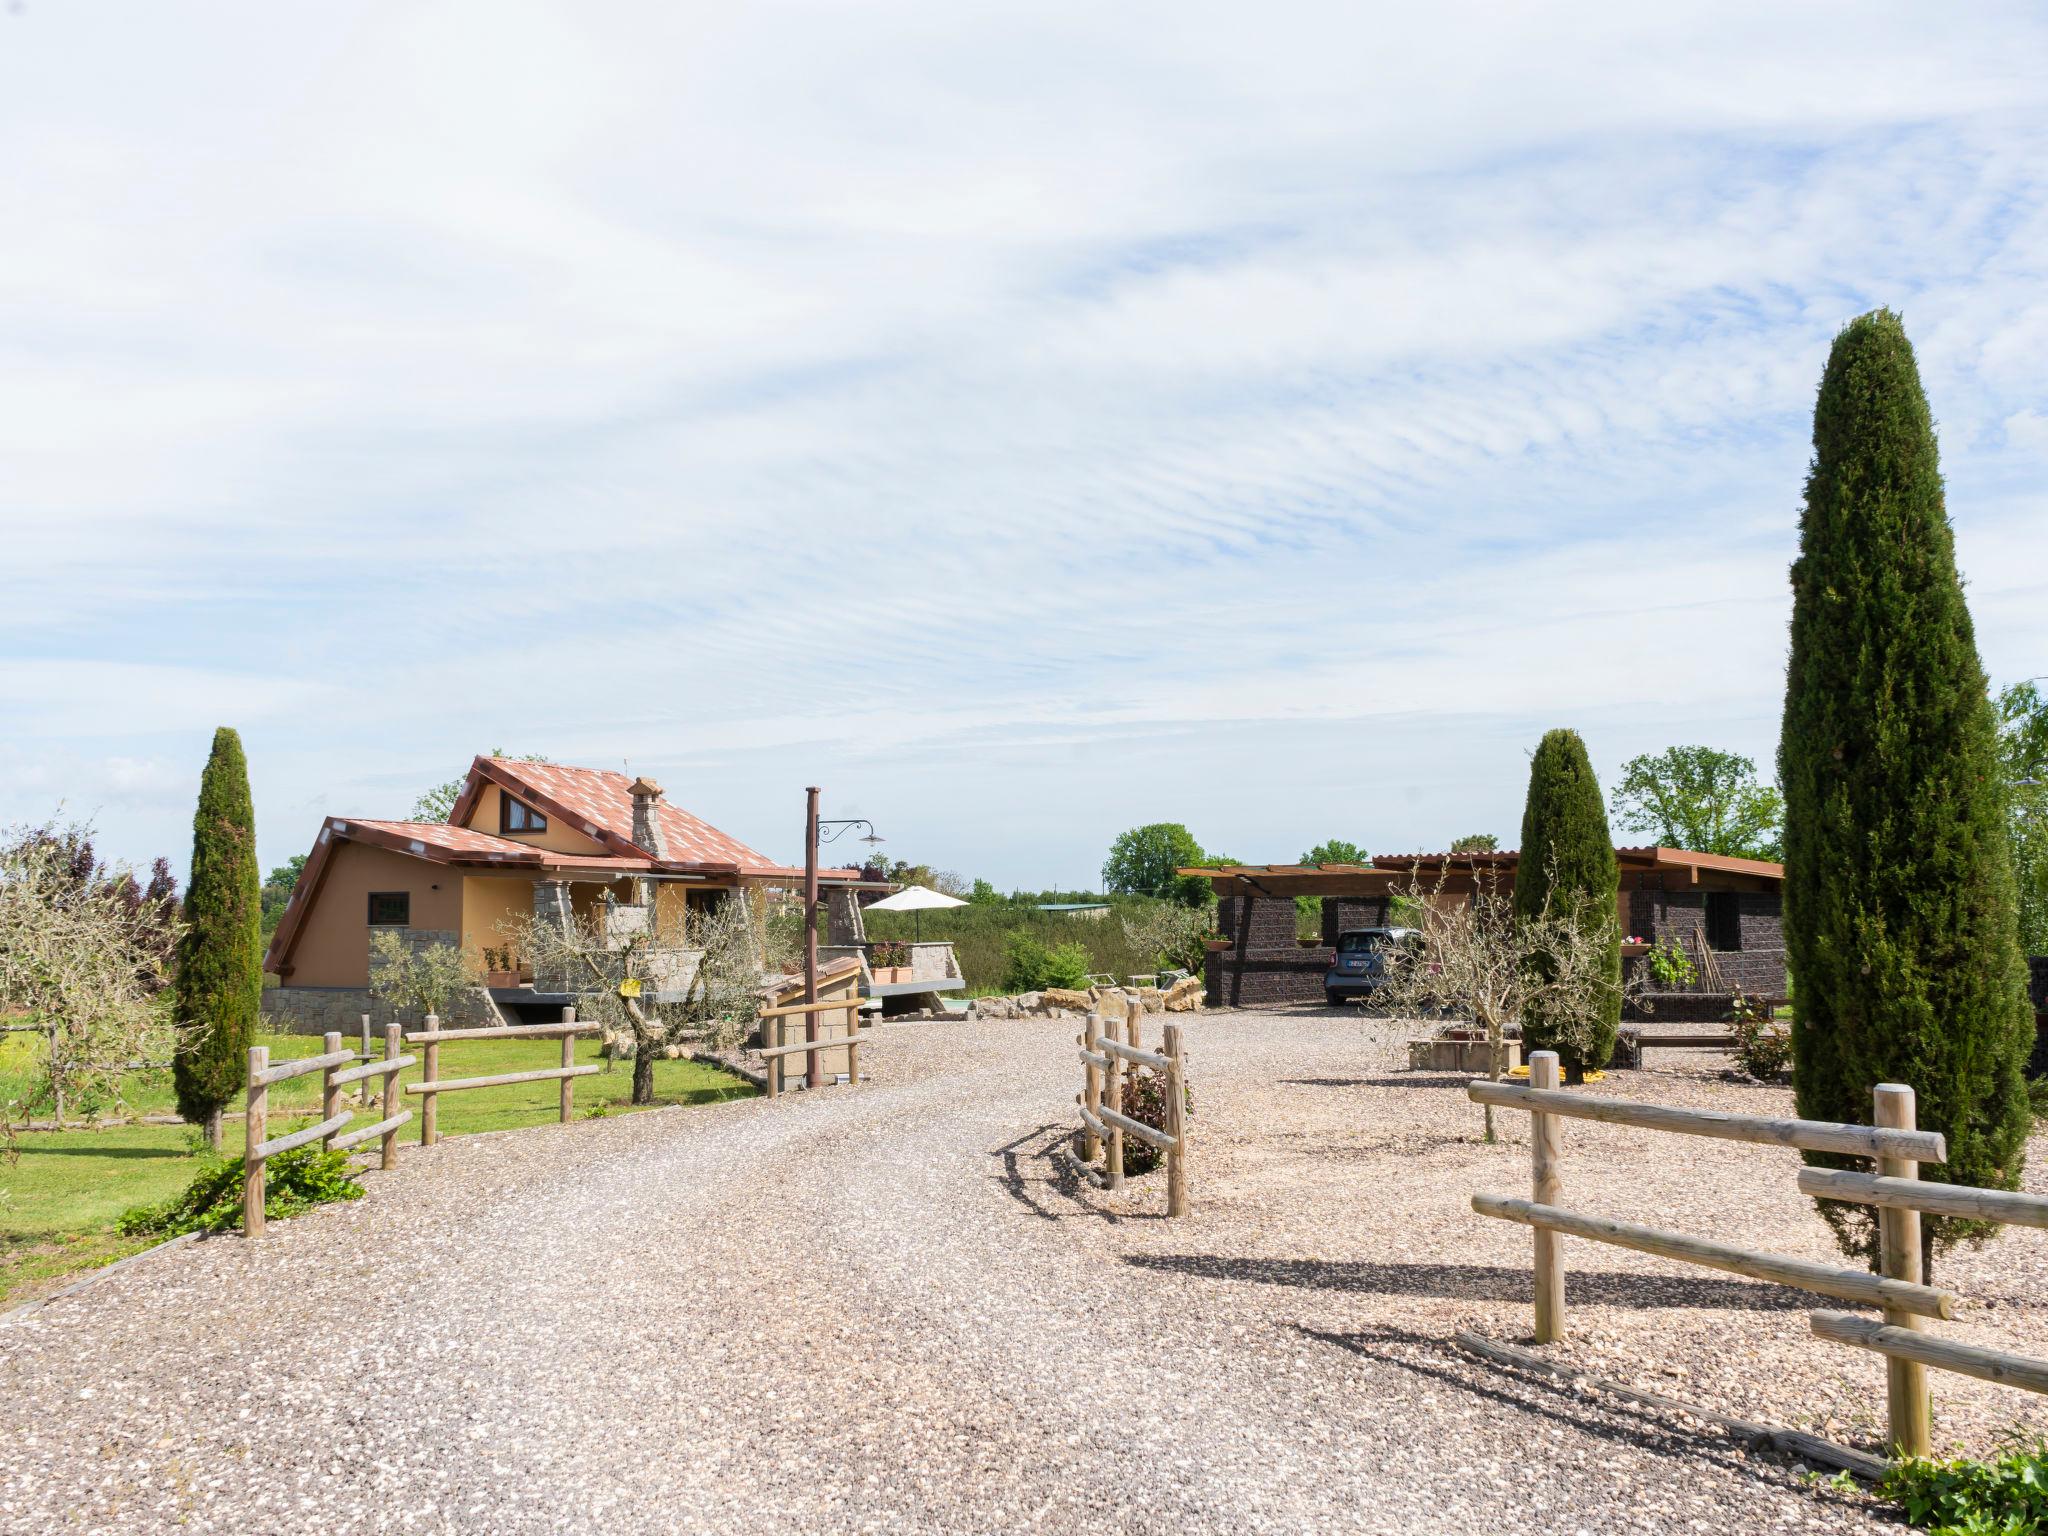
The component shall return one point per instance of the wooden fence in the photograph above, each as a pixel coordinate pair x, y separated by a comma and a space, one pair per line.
333, 1063
1106, 1062
1893, 1143
775, 1051
432, 1085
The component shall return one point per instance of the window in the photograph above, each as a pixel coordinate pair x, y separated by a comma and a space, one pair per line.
390, 909
1724, 920
518, 816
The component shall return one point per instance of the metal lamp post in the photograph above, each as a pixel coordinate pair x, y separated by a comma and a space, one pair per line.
815, 833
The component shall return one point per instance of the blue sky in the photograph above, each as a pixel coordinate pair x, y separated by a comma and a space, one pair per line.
1023, 420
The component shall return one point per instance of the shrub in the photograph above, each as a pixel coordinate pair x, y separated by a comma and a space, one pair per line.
1568, 871
2006, 1496
1031, 967
1901, 913
293, 1181
890, 952
1145, 1102
1763, 1047
1670, 964
219, 980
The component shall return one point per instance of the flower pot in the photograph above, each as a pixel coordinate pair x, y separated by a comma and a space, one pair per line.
501, 978
888, 975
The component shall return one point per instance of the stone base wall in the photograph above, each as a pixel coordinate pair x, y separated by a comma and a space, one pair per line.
316, 1010
1681, 1008
1279, 976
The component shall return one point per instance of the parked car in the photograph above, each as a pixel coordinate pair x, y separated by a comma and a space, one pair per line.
1361, 964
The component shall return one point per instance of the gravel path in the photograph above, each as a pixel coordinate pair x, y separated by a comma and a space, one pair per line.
886, 1309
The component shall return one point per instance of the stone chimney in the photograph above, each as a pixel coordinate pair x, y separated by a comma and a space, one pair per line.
646, 820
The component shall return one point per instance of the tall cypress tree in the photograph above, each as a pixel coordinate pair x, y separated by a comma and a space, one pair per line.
1568, 862
1900, 908
219, 989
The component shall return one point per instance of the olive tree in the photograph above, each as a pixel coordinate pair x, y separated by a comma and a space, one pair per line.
83, 959
1471, 961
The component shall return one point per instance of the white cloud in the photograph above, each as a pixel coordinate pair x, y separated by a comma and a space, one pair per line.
1040, 406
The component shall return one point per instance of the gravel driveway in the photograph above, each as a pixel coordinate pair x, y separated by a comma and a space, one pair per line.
885, 1309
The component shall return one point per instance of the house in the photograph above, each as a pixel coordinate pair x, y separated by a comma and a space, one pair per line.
524, 838
1725, 914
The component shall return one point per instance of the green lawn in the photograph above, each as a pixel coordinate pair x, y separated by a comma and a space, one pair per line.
59, 1196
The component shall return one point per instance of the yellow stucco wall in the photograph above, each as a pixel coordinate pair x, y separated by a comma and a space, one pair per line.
333, 948
559, 837
489, 901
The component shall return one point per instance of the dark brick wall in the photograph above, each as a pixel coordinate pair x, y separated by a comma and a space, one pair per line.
1294, 977
1662, 916
1341, 912
1681, 1008
1253, 922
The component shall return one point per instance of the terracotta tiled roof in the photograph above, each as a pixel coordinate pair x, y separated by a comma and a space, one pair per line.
438, 834
466, 845
601, 799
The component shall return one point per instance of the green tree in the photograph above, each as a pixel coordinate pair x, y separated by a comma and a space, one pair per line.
277, 891
1142, 861
982, 894
1335, 851
219, 988
1701, 799
1476, 842
438, 803
2023, 754
1568, 873
1900, 913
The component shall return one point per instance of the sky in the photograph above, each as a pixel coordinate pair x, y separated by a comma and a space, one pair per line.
1024, 421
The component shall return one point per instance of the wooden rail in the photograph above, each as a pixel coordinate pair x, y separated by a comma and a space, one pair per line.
776, 1048
1821, 1279
1893, 1141
1807, 1135
258, 1148
432, 1084
1104, 1125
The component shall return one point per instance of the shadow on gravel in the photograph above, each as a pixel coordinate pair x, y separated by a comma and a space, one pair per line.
1456, 1080
1540, 1397
1484, 1282
1023, 1182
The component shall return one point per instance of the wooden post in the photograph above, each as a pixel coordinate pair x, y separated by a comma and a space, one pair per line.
853, 1038
1176, 1126
366, 1060
771, 1036
1091, 1085
1116, 1105
330, 1096
568, 1060
56, 1078
1898, 1238
1546, 1149
392, 1034
255, 1131
430, 1072
811, 1058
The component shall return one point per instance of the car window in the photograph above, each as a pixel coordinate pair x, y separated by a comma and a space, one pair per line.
1360, 943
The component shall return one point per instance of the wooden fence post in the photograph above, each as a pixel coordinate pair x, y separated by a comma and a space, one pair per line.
853, 1039
56, 1078
255, 1131
1898, 1236
330, 1096
771, 1037
366, 1060
1176, 1126
392, 1034
1546, 1149
568, 1060
430, 1071
1116, 1106
1091, 1086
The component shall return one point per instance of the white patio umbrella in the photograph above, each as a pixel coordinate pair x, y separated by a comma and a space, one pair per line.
918, 899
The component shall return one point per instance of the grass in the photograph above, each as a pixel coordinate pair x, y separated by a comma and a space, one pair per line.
59, 1196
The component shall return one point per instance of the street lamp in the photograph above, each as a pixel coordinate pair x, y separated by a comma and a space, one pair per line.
814, 834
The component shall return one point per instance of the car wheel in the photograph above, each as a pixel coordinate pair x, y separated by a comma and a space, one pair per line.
1332, 999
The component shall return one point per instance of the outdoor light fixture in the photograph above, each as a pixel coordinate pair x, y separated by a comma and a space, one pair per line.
815, 833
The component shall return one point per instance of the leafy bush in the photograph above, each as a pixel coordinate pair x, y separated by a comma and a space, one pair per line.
1763, 1047
294, 1181
1671, 965
890, 952
2006, 1496
1032, 967
1145, 1102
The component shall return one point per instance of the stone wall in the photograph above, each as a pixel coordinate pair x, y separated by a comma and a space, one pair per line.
1264, 964
1666, 916
1342, 912
316, 1010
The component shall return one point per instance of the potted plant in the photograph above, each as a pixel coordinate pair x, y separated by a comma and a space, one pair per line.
889, 960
